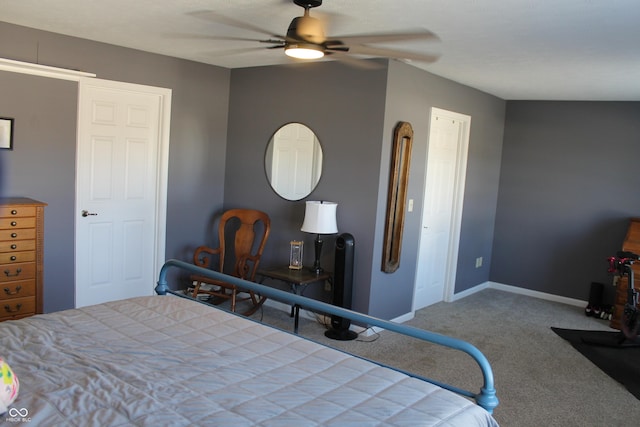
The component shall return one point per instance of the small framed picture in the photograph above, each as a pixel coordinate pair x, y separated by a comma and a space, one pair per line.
6, 133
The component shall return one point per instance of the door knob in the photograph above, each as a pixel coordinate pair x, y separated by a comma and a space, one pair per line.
87, 213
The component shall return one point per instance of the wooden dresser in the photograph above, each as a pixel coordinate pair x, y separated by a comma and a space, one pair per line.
21, 256
631, 244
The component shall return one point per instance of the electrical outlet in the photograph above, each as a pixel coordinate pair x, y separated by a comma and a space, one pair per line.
478, 262
327, 286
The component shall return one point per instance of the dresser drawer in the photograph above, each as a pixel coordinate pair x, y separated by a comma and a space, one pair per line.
10, 257
16, 223
19, 289
17, 211
20, 271
17, 246
19, 234
21, 257
17, 307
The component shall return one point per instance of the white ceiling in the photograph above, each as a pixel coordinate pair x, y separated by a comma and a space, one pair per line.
514, 49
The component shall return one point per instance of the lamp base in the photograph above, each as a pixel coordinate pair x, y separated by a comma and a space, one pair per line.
316, 270
318, 250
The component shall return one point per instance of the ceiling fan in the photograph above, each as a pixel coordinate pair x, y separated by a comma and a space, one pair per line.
306, 39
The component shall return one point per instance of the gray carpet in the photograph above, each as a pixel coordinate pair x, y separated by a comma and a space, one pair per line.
541, 380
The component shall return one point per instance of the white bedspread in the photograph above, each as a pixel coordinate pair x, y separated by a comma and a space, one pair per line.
167, 361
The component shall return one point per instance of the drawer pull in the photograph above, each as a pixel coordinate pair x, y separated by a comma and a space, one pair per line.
13, 258
14, 212
7, 308
14, 235
13, 223
8, 273
14, 246
16, 292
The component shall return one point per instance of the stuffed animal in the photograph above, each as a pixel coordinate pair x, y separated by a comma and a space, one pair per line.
9, 386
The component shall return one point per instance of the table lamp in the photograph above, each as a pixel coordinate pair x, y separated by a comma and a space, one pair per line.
319, 218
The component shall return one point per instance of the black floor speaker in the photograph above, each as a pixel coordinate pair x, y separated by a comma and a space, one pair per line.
342, 288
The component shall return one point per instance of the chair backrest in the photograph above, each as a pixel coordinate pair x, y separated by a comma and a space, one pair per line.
249, 230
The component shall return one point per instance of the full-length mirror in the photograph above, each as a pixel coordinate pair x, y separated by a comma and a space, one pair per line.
397, 198
293, 161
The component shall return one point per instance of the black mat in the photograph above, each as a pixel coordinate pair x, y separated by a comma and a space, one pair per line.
620, 362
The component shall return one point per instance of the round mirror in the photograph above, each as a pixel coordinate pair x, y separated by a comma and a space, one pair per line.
293, 161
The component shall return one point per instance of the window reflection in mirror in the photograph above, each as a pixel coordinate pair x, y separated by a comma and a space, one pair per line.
293, 161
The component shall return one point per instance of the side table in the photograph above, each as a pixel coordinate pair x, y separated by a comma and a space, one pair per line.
298, 280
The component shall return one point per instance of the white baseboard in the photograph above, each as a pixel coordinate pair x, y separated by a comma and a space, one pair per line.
535, 294
470, 291
460, 295
500, 287
520, 291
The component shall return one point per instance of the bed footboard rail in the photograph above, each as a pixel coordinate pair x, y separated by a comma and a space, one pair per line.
486, 397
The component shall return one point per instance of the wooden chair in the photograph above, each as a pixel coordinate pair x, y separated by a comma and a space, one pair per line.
242, 235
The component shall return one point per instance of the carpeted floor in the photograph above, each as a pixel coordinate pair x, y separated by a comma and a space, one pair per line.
615, 356
541, 380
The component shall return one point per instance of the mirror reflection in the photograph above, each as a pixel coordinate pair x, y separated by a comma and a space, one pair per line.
293, 161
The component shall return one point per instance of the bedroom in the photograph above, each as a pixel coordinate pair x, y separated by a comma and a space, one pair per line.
525, 167
209, 128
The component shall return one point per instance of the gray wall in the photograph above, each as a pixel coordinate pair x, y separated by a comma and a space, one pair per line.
565, 171
345, 108
354, 112
411, 93
42, 165
568, 186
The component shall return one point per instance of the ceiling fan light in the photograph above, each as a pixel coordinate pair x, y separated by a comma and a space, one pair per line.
303, 51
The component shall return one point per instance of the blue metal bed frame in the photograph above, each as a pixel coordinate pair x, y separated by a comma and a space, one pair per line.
486, 398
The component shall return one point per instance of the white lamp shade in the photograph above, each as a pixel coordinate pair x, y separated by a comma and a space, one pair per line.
320, 218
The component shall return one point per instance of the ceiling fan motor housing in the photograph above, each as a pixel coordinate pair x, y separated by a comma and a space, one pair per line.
306, 28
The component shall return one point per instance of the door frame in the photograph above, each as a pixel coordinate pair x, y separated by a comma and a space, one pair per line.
162, 172
458, 201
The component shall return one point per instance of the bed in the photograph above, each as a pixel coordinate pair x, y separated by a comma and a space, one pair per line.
168, 360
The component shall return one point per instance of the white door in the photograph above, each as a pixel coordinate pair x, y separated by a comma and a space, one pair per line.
296, 157
442, 209
122, 159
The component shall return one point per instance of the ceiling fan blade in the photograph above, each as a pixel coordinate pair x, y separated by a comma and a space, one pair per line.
354, 62
390, 53
239, 51
209, 37
385, 37
225, 20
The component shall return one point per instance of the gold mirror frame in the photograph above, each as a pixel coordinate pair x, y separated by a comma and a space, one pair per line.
397, 197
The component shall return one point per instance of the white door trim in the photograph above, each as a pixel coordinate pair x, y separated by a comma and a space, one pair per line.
162, 173
458, 201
